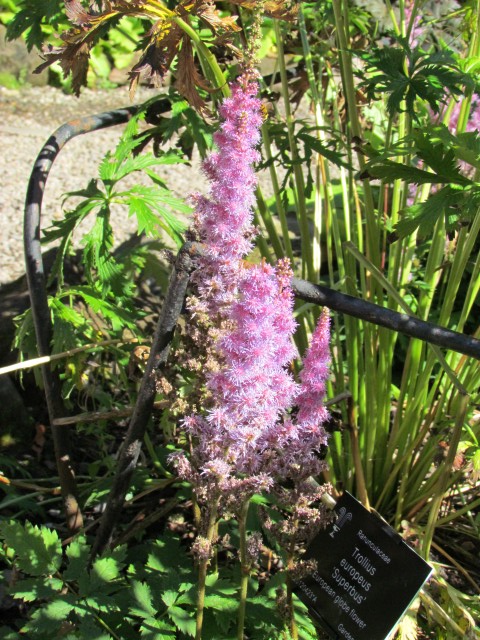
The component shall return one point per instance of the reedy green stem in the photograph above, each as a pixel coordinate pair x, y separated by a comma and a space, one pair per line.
445, 476
299, 191
340, 11
206, 54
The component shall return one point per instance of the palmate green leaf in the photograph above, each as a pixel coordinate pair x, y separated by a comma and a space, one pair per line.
118, 316
465, 146
32, 17
64, 229
68, 325
312, 143
49, 618
38, 550
31, 589
142, 595
111, 171
110, 167
455, 204
152, 207
153, 629
389, 170
408, 74
100, 265
182, 620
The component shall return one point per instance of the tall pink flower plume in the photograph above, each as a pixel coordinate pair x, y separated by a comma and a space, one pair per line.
246, 439
312, 412
224, 220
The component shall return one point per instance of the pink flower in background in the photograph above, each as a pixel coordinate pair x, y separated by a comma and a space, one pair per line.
473, 123
417, 30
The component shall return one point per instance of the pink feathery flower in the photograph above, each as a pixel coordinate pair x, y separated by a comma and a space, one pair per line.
246, 439
316, 363
224, 220
417, 30
473, 122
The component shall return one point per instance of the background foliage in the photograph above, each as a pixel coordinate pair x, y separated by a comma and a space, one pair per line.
375, 193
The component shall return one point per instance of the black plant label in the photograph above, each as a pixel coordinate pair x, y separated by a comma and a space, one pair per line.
366, 575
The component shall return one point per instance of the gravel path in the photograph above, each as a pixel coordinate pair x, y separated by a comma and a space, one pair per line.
27, 118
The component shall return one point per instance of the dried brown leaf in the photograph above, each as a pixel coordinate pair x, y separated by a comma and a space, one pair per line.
77, 14
207, 12
280, 9
158, 56
73, 57
188, 79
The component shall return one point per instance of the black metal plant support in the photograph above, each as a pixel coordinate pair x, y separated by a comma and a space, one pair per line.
38, 293
316, 294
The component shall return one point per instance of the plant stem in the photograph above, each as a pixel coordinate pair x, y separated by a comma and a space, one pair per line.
299, 191
445, 476
291, 610
207, 55
372, 245
202, 570
245, 568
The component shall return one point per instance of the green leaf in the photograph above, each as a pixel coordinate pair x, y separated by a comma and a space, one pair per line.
64, 229
152, 208
33, 17
78, 554
423, 216
104, 571
118, 317
38, 549
31, 589
50, 618
169, 598
152, 629
144, 601
313, 143
8, 634
100, 264
406, 74
89, 628
100, 602
182, 620
111, 171
389, 170
219, 603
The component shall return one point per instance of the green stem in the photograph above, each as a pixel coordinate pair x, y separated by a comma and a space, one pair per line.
291, 610
299, 191
267, 146
206, 54
340, 9
445, 476
245, 568
202, 571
